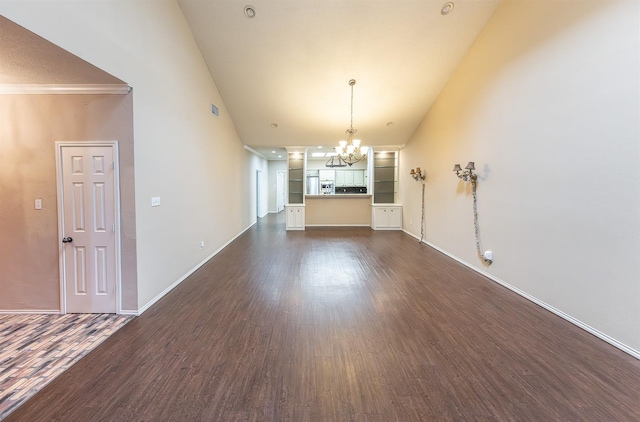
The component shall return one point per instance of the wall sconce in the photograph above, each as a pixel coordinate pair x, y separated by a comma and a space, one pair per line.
466, 174
417, 174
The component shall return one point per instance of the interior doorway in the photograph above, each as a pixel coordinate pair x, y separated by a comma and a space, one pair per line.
88, 226
280, 190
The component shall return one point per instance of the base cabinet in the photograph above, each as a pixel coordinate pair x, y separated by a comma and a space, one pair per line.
295, 217
386, 217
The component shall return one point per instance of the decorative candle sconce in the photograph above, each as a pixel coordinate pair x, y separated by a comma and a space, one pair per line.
417, 174
467, 175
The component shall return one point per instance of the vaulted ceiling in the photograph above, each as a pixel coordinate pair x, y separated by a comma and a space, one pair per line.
28, 59
289, 65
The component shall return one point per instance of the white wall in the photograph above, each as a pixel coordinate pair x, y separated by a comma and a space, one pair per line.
177, 141
547, 104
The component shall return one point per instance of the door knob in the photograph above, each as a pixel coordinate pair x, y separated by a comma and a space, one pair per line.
67, 239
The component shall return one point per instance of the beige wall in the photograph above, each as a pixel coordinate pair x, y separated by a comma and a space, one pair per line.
546, 103
336, 211
29, 239
194, 161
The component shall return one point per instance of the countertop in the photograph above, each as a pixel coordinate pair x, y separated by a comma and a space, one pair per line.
339, 196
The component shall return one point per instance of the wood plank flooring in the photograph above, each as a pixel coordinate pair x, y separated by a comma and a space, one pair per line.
342, 324
34, 349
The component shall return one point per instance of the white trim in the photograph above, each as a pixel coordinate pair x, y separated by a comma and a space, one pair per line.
30, 311
558, 312
48, 89
116, 204
188, 273
253, 151
338, 225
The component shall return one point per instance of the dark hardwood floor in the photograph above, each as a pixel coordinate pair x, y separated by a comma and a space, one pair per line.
342, 324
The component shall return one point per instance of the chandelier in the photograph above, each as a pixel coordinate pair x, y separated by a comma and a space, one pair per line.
350, 150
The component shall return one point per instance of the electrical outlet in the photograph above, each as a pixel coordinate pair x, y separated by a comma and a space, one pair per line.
488, 255
201, 244
38, 204
410, 222
155, 201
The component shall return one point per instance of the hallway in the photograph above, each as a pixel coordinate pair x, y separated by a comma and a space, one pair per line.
342, 324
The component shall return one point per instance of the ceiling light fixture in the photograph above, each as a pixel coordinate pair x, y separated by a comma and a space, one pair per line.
350, 151
249, 11
447, 8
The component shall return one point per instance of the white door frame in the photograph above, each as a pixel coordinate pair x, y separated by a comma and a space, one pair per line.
116, 204
281, 193
258, 194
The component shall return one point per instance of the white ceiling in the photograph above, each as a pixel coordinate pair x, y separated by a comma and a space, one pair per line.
291, 64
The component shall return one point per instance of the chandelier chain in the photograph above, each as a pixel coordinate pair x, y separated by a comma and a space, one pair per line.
351, 124
474, 184
422, 217
349, 151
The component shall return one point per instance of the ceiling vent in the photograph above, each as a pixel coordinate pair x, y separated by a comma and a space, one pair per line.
215, 111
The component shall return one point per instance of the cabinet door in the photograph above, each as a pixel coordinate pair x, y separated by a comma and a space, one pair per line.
327, 175
299, 218
380, 217
340, 177
295, 218
291, 217
348, 178
358, 178
394, 217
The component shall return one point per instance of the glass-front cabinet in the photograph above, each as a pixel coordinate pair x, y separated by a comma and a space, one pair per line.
296, 178
385, 177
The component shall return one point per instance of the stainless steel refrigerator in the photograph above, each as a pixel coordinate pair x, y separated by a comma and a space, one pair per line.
313, 185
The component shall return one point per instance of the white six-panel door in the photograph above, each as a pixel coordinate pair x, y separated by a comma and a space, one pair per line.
88, 226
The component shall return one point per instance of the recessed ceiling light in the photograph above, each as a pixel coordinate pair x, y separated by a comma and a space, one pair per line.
249, 11
279, 156
319, 147
274, 125
273, 152
447, 8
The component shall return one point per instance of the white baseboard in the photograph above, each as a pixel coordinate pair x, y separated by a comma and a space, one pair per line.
337, 225
187, 274
30, 311
558, 312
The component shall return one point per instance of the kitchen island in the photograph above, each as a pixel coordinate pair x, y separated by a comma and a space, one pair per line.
338, 210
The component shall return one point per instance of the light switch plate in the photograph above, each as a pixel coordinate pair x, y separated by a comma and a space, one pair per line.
155, 201
38, 204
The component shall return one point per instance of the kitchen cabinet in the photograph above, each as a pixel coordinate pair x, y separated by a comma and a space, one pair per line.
348, 178
387, 217
327, 175
295, 217
358, 178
